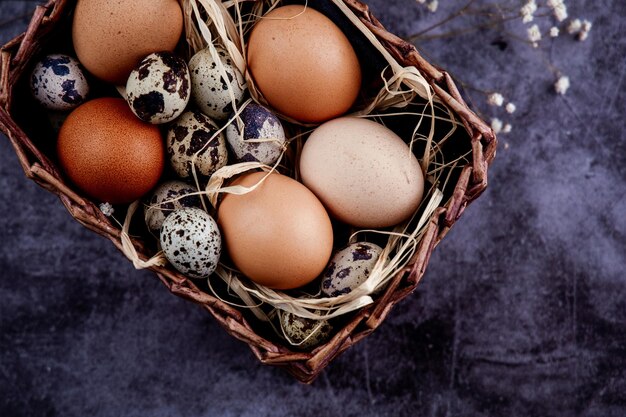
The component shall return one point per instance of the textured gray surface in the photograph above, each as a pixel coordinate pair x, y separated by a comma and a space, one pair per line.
521, 312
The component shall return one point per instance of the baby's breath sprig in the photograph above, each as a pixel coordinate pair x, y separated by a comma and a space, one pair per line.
543, 20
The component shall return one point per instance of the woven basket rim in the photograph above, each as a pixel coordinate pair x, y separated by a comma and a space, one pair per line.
17, 54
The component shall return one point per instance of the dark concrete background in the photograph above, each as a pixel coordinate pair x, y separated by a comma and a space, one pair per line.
522, 311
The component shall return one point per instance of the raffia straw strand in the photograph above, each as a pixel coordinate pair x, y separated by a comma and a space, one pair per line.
129, 249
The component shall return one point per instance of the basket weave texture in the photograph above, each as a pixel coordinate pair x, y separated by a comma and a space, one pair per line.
16, 58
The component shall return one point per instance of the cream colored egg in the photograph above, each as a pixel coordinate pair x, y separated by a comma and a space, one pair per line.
364, 174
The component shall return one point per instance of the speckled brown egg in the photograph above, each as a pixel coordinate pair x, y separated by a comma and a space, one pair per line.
58, 83
303, 333
193, 143
257, 135
279, 234
157, 90
303, 64
211, 91
363, 172
111, 37
168, 197
349, 268
108, 153
191, 242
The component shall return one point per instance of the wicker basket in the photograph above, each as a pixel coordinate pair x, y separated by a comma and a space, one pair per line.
45, 27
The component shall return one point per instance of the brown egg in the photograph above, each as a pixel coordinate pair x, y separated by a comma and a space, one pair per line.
278, 235
303, 64
109, 153
111, 37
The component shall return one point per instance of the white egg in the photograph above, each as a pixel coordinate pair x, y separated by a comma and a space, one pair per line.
157, 90
193, 141
210, 90
303, 333
258, 135
191, 242
58, 82
349, 268
165, 199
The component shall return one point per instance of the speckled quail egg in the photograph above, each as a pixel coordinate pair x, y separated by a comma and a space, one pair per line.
349, 268
258, 135
193, 141
157, 90
191, 242
209, 89
304, 333
167, 197
58, 82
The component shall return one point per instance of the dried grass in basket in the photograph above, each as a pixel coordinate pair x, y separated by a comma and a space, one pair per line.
17, 57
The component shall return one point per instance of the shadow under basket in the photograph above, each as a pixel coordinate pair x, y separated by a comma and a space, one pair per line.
30, 133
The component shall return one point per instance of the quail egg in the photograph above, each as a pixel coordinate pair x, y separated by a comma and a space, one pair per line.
304, 333
58, 82
169, 196
257, 135
191, 242
193, 141
157, 90
349, 268
210, 90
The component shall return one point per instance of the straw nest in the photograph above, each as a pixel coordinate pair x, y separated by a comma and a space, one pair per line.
412, 96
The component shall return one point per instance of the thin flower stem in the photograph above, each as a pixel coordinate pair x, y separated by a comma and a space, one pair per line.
444, 21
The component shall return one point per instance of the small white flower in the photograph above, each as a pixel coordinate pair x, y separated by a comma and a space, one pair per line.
510, 108
421, 1
528, 11
534, 34
507, 128
560, 12
562, 85
584, 30
574, 26
495, 99
433, 5
554, 31
107, 209
496, 125
554, 3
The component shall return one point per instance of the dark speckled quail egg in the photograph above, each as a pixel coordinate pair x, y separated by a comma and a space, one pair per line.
256, 123
157, 90
58, 82
167, 197
349, 268
209, 89
195, 133
191, 242
304, 333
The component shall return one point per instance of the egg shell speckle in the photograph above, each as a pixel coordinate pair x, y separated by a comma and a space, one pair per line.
304, 333
349, 268
58, 82
194, 132
257, 123
209, 89
157, 90
191, 242
165, 200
